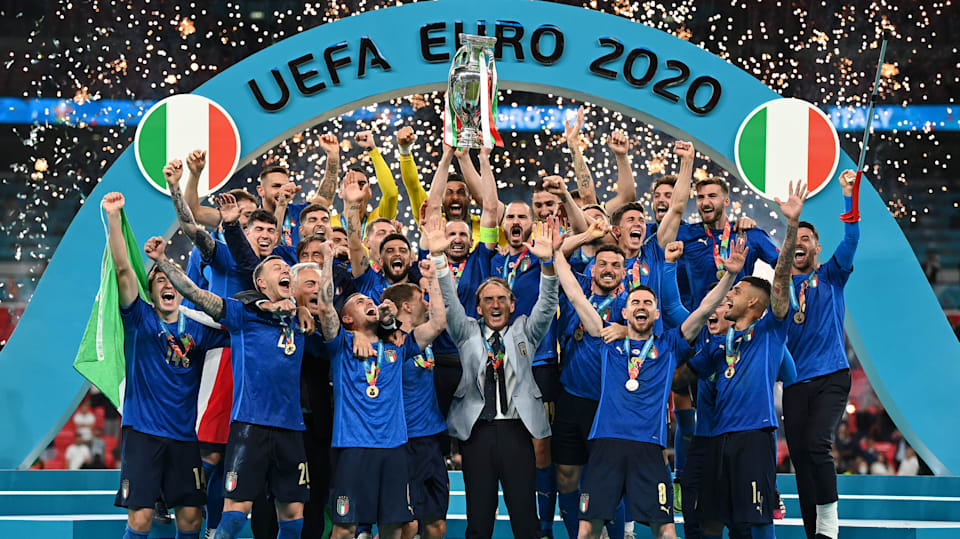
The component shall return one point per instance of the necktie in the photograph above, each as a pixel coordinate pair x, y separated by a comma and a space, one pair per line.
494, 378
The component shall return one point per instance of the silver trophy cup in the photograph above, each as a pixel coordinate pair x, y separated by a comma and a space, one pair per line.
463, 86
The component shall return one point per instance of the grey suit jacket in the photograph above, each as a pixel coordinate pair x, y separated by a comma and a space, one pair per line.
520, 341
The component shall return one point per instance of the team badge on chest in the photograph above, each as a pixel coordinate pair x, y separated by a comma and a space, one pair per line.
391, 356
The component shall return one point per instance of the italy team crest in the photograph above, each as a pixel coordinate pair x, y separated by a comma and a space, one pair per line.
584, 502
391, 355
231, 482
125, 488
343, 505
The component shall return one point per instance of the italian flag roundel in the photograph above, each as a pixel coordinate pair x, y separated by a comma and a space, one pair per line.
787, 140
176, 126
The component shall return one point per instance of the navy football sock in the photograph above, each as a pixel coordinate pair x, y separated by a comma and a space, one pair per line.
547, 498
290, 529
130, 534
686, 425
569, 512
214, 475
231, 522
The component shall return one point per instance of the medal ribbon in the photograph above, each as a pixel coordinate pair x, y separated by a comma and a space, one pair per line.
599, 307
800, 304
494, 359
286, 326
634, 362
638, 268
734, 355
720, 252
512, 275
371, 368
425, 360
173, 349
457, 272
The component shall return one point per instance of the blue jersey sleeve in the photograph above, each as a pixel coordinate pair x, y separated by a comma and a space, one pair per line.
788, 369
704, 362
671, 308
133, 314
234, 314
762, 247
848, 245
334, 345
240, 249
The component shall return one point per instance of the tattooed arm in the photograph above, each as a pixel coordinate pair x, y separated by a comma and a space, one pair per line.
780, 291
329, 321
204, 215
200, 237
427, 332
352, 208
328, 186
208, 302
588, 193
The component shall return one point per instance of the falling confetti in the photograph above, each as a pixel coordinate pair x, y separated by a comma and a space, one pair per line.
824, 52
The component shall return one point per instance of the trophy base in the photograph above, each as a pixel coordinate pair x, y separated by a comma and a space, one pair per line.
469, 138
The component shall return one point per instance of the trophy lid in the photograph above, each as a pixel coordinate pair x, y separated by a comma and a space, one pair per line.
474, 40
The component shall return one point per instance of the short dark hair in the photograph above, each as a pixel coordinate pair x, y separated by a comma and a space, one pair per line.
357, 169
595, 207
497, 281
455, 177
375, 221
808, 224
392, 237
274, 168
242, 194
259, 269
666, 179
263, 216
302, 244
761, 283
713, 180
516, 201
644, 288
630, 206
312, 208
400, 293
339, 229
609, 248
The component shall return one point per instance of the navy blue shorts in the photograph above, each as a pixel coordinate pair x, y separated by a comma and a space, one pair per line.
571, 428
260, 457
370, 485
154, 465
739, 479
429, 482
617, 467
547, 378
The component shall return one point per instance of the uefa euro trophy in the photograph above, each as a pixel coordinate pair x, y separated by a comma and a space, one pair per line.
470, 106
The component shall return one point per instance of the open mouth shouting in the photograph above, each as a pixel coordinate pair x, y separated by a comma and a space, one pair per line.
516, 234
641, 318
660, 210
608, 280
800, 257
284, 285
455, 210
713, 323
458, 248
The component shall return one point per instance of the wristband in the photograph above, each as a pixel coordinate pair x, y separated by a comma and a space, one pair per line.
489, 234
439, 261
546, 262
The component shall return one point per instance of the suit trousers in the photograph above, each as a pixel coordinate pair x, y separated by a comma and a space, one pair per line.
500, 451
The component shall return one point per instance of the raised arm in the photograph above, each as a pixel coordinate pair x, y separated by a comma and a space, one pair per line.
331, 175
435, 236
626, 184
329, 320
200, 237
694, 323
851, 231
588, 193
439, 185
352, 210
667, 231
672, 310
204, 215
426, 333
238, 244
558, 187
126, 278
389, 194
597, 229
780, 288
492, 207
208, 302
408, 170
544, 243
589, 318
